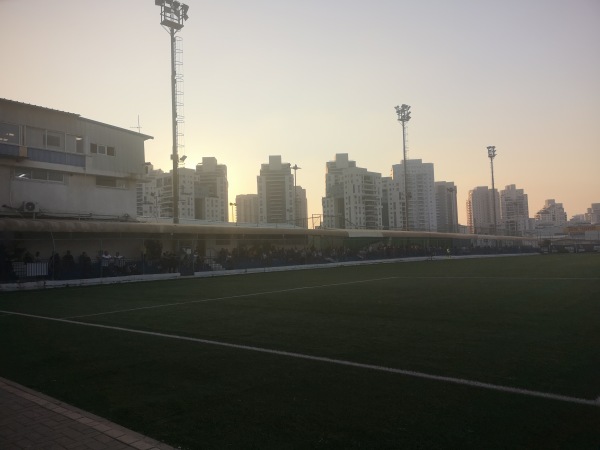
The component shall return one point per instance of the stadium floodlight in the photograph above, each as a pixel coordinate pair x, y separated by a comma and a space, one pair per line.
403, 113
172, 15
492, 154
295, 168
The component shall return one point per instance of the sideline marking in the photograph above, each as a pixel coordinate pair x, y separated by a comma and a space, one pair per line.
340, 362
229, 297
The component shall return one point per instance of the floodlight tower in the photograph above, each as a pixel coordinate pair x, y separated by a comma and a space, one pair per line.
295, 168
403, 117
492, 154
173, 14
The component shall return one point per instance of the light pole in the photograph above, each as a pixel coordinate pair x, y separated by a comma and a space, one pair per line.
454, 212
403, 113
173, 14
232, 205
492, 154
295, 168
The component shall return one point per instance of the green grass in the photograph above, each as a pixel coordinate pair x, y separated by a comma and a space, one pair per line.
526, 322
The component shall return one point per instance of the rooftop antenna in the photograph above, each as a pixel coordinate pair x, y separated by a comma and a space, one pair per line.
138, 127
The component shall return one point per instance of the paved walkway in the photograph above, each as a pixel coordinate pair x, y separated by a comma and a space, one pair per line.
30, 420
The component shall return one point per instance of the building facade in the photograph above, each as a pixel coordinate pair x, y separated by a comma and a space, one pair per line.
147, 199
352, 196
480, 210
59, 164
514, 208
301, 207
420, 183
211, 191
551, 215
247, 208
203, 192
275, 187
593, 214
446, 206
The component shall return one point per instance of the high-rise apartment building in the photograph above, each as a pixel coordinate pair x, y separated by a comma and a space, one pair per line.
593, 214
164, 193
480, 210
352, 196
552, 214
247, 208
211, 191
422, 214
446, 206
514, 209
276, 192
147, 201
301, 207
203, 192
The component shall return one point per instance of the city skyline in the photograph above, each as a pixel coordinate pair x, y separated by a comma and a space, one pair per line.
312, 80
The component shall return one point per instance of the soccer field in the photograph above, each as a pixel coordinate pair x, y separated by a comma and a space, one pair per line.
474, 353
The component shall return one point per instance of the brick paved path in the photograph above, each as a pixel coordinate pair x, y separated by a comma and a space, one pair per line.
32, 420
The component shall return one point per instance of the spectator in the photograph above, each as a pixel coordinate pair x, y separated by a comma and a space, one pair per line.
85, 265
106, 264
68, 264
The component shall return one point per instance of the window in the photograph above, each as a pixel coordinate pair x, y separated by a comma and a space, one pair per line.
102, 149
9, 134
54, 140
40, 175
56, 176
74, 144
34, 137
111, 182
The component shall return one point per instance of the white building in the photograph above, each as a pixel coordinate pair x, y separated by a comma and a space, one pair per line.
593, 214
276, 192
203, 192
352, 196
147, 200
211, 191
246, 208
446, 206
551, 215
480, 210
301, 207
514, 209
59, 164
164, 193
422, 213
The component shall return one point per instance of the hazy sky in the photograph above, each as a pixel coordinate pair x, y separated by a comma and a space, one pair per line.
313, 78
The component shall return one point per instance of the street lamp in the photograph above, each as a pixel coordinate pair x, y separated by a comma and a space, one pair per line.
403, 113
492, 154
173, 14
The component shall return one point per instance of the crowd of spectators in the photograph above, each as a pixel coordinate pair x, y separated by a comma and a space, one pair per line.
66, 266
63, 267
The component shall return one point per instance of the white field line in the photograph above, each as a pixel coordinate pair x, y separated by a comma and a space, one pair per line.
229, 297
301, 288
340, 362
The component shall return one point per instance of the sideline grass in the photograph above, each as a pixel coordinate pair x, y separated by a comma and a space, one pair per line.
528, 322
